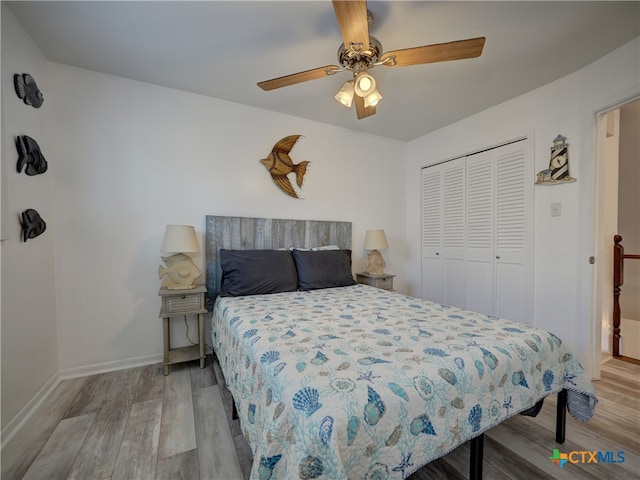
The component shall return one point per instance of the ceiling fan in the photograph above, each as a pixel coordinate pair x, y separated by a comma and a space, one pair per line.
360, 52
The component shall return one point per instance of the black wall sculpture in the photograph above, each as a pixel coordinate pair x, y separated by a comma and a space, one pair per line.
30, 157
32, 224
27, 90
29, 154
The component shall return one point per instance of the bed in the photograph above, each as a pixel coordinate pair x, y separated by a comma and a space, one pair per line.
351, 381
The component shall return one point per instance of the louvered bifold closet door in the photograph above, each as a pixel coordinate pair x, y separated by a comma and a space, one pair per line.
454, 233
432, 267
443, 233
477, 235
512, 234
480, 233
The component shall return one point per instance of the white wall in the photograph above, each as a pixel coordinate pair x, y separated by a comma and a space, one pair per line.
630, 338
562, 244
132, 157
29, 349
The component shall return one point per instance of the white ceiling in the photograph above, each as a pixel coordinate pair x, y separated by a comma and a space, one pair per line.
222, 49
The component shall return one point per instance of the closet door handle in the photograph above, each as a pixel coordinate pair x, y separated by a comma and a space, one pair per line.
437, 253
498, 257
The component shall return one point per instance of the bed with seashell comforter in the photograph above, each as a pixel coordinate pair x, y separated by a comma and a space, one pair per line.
358, 382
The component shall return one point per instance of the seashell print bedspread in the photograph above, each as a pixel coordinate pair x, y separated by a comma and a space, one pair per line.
361, 383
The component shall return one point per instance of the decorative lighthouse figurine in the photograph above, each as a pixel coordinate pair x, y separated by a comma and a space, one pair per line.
558, 171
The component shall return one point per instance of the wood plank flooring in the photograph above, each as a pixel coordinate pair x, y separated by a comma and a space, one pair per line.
138, 424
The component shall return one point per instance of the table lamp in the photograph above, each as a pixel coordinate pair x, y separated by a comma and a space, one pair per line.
375, 240
180, 272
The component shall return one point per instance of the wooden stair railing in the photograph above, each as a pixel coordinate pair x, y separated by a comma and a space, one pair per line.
618, 279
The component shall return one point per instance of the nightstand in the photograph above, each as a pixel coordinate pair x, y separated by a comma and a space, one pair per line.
384, 281
183, 303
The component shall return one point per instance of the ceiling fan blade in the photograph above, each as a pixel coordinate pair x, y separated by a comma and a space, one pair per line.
361, 110
352, 20
298, 77
440, 52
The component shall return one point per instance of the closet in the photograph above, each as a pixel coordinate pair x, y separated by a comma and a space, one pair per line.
477, 235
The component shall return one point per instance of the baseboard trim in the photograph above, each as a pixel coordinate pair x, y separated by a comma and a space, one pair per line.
110, 366
17, 422
628, 359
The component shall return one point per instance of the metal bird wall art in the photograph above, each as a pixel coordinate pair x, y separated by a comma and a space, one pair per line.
280, 165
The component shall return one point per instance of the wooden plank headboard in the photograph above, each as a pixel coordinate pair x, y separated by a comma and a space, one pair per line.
244, 233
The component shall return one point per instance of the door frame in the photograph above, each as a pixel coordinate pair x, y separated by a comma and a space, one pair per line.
588, 292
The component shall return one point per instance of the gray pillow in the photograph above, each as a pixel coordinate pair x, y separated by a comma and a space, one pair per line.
323, 269
256, 272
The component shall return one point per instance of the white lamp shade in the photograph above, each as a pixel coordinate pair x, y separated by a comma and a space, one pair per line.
365, 84
375, 240
345, 94
180, 239
372, 99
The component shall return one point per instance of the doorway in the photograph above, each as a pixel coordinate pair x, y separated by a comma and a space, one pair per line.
618, 196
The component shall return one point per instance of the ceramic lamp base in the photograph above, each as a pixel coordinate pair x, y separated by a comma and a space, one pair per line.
180, 272
375, 263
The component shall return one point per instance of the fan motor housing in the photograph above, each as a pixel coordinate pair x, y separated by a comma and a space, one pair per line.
354, 59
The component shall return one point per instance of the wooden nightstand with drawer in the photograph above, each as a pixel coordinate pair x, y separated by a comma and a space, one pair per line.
384, 281
178, 303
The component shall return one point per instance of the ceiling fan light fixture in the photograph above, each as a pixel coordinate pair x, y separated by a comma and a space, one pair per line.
345, 94
360, 52
372, 99
364, 84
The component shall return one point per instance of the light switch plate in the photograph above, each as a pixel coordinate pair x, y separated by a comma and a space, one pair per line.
556, 209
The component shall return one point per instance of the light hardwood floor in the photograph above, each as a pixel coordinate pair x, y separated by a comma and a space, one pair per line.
139, 424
